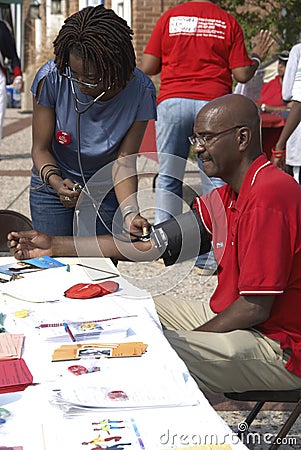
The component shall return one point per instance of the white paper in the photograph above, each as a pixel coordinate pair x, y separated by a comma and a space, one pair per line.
47, 285
143, 386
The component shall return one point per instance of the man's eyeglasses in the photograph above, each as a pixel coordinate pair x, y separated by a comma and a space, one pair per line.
69, 76
205, 138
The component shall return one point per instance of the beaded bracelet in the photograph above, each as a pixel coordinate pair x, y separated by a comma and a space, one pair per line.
43, 167
49, 173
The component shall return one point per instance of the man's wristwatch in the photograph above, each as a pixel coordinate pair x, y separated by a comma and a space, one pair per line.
263, 107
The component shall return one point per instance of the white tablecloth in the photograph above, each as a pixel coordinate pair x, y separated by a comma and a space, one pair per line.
171, 412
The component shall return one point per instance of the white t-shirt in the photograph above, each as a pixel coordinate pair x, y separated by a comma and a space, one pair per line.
291, 90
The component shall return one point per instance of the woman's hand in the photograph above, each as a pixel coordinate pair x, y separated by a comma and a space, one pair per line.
278, 157
278, 161
136, 224
68, 192
29, 244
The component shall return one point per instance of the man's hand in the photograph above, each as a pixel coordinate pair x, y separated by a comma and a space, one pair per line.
29, 244
264, 42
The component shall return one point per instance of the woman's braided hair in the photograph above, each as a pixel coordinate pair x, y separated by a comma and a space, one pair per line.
101, 38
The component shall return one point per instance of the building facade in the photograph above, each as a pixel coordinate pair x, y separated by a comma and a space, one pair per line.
36, 23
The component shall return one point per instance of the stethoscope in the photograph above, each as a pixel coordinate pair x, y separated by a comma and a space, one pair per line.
79, 111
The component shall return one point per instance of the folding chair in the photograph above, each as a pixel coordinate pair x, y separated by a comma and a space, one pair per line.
261, 397
11, 221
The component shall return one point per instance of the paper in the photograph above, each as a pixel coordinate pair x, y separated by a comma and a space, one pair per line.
46, 285
94, 390
98, 268
14, 375
11, 345
96, 431
44, 262
98, 350
84, 331
11, 448
29, 265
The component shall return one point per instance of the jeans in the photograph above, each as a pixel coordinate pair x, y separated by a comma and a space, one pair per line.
176, 117
207, 260
3, 100
51, 217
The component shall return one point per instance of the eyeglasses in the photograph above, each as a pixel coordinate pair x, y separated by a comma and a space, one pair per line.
201, 141
69, 76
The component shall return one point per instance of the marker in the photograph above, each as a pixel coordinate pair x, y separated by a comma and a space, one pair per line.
67, 329
50, 325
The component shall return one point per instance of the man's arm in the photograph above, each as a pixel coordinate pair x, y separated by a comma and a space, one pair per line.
291, 124
151, 65
245, 312
178, 239
259, 52
31, 244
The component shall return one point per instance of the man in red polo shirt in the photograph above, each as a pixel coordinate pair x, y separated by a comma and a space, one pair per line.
248, 336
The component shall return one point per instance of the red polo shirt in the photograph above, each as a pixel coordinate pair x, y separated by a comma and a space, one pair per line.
253, 261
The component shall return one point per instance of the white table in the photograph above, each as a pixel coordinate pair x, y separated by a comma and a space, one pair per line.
37, 424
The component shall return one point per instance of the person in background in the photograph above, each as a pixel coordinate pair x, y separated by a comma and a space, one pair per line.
287, 149
91, 106
270, 100
8, 52
195, 66
248, 335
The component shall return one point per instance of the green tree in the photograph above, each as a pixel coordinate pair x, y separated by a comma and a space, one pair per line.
281, 17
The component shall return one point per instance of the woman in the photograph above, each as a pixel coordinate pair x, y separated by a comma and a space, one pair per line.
91, 106
270, 100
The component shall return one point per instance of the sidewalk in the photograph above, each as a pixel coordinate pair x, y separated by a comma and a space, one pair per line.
15, 161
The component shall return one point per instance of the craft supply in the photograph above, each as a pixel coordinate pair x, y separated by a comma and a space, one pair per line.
4, 413
67, 329
90, 290
97, 350
77, 369
22, 313
50, 325
15, 375
2, 318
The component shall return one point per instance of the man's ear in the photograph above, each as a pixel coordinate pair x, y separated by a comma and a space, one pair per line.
245, 135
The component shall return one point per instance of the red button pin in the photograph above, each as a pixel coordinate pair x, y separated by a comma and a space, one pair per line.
63, 137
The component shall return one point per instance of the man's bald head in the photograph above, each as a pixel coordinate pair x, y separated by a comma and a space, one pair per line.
229, 133
232, 110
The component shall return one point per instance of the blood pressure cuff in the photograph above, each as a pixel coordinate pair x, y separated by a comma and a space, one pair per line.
183, 237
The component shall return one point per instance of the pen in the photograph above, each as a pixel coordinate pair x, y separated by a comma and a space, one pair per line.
114, 274
67, 329
50, 325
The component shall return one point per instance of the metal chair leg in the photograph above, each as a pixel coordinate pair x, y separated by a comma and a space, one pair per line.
253, 413
286, 427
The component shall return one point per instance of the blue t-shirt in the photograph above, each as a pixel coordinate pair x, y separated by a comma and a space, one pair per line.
102, 127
